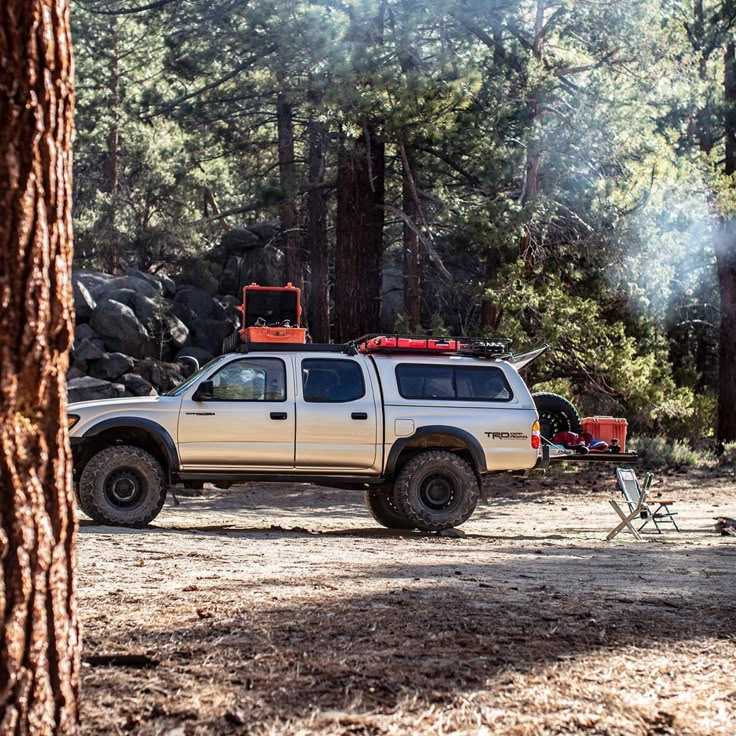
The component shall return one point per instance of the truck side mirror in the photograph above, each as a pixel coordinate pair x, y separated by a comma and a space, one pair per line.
205, 392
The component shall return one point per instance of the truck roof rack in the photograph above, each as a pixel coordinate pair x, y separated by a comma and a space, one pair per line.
245, 346
478, 347
498, 348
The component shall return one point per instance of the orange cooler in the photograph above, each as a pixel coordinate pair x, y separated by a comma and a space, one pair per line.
606, 429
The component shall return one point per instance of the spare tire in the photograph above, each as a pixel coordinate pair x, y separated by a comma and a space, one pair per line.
556, 414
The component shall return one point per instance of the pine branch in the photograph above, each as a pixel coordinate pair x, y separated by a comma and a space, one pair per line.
130, 11
214, 84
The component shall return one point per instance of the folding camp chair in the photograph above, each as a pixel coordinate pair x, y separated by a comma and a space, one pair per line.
657, 511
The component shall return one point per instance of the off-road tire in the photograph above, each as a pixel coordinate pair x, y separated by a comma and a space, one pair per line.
556, 414
122, 485
436, 490
382, 509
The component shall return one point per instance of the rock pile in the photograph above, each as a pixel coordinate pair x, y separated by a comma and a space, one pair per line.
135, 333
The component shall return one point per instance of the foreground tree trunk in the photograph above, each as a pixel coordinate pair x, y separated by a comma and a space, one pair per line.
359, 237
39, 633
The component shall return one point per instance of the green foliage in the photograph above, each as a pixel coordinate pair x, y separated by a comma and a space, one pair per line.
137, 179
660, 451
603, 367
728, 458
606, 252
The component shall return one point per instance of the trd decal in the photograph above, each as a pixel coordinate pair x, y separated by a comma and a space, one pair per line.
507, 435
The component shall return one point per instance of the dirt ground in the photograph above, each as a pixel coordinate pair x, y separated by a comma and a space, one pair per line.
287, 610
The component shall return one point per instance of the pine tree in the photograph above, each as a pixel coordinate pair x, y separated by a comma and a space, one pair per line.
39, 632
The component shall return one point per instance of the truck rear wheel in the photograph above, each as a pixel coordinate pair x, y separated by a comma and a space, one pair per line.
436, 490
122, 485
382, 509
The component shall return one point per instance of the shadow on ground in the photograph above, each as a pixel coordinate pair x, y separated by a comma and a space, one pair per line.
224, 666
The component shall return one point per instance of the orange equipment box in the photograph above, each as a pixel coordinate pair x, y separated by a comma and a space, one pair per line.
606, 429
272, 314
274, 334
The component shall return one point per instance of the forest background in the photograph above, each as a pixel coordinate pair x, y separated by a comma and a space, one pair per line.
556, 171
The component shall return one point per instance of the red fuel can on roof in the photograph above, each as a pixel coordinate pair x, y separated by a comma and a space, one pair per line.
407, 343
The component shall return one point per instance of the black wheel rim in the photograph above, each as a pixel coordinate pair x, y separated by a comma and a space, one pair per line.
124, 488
437, 492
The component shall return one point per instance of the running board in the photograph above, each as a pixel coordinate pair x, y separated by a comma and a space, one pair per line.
333, 480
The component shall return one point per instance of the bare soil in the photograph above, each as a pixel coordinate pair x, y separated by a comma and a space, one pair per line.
287, 610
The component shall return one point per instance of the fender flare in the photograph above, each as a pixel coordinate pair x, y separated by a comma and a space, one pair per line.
469, 441
162, 438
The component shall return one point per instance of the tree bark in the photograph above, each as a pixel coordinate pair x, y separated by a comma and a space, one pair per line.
359, 236
412, 266
491, 313
726, 267
109, 244
113, 136
39, 633
701, 118
287, 176
318, 311
531, 186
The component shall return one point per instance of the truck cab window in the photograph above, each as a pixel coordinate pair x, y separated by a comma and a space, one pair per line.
452, 383
332, 381
254, 379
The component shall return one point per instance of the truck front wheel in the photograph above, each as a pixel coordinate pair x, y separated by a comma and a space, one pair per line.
122, 485
382, 509
436, 490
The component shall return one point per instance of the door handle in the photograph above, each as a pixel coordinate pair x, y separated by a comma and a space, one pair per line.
278, 415
359, 415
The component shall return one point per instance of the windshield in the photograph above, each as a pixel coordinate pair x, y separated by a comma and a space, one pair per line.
182, 387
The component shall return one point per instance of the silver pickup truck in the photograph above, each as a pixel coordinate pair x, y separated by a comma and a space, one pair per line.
415, 431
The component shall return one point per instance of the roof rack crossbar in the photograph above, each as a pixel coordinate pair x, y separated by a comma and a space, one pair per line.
348, 348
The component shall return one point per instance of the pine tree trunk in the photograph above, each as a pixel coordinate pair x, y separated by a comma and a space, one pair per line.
109, 248
412, 268
726, 261
703, 115
491, 313
113, 136
318, 311
359, 234
39, 633
726, 266
531, 189
287, 176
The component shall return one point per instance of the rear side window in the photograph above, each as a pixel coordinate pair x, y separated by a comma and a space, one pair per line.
332, 381
452, 383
